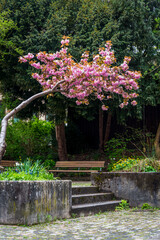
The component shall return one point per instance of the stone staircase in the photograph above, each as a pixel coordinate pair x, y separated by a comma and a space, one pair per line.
89, 200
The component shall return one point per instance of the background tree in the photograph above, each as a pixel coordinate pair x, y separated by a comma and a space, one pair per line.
41, 23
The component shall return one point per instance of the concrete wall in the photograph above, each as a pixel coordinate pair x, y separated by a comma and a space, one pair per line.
31, 202
137, 188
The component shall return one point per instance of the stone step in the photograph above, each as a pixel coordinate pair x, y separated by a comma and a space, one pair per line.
84, 190
91, 198
92, 208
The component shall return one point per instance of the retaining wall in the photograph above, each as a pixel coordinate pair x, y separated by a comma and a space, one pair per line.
137, 188
31, 202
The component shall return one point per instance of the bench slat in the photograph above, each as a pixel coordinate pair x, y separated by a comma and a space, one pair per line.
7, 163
86, 171
74, 164
77, 164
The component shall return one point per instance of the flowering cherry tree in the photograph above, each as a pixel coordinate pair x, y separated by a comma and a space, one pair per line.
100, 78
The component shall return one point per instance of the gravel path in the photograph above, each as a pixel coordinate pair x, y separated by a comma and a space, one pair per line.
110, 225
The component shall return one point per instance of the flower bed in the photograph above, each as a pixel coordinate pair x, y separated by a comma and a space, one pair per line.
135, 165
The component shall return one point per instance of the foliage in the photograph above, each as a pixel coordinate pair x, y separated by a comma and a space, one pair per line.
27, 171
136, 165
49, 164
146, 206
88, 23
32, 138
115, 148
123, 205
131, 142
142, 140
7, 46
132, 26
28, 17
111, 164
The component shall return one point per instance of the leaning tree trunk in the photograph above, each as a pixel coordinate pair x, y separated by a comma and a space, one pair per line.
4, 122
157, 143
61, 140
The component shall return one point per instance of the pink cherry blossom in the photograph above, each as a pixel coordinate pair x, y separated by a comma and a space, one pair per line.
134, 103
104, 107
22, 59
80, 80
29, 56
36, 65
121, 105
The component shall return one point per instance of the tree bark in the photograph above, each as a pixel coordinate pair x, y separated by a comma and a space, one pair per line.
108, 127
22, 105
157, 143
100, 130
61, 140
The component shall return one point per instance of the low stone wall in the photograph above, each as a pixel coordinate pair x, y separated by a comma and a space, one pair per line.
137, 188
32, 202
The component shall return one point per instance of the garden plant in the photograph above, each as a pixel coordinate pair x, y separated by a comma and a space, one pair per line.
133, 164
27, 171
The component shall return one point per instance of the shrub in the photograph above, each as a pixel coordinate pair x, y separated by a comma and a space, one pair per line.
49, 164
31, 138
115, 148
132, 142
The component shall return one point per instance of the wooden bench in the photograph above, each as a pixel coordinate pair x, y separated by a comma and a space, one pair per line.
8, 163
78, 164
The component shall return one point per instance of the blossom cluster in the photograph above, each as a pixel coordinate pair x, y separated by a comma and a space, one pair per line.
100, 77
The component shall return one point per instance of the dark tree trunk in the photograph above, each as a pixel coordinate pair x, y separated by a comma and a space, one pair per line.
100, 130
108, 127
157, 143
61, 140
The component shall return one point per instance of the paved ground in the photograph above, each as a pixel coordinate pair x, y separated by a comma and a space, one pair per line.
110, 225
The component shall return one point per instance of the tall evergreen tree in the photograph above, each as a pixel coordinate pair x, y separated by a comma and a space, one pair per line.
130, 25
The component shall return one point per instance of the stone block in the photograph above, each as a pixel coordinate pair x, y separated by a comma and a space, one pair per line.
137, 188
32, 202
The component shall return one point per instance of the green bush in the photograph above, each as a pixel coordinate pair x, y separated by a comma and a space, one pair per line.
31, 138
49, 164
27, 171
132, 142
115, 148
139, 141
